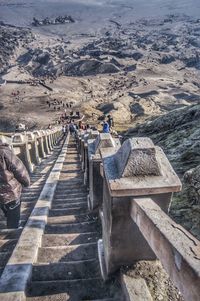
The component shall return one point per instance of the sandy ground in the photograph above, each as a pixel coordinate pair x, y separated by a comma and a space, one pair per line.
166, 35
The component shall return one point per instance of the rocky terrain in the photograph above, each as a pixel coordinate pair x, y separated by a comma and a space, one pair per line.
143, 68
178, 134
11, 38
137, 60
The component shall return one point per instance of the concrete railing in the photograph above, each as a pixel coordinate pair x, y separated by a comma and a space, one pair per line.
132, 187
32, 147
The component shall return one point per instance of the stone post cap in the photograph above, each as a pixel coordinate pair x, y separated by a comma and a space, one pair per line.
137, 157
43, 132
19, 138
37, 134
139, 168
103, 140
30, 136
93, 134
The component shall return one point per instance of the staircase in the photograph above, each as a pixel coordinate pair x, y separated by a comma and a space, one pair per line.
67, 266
29, 197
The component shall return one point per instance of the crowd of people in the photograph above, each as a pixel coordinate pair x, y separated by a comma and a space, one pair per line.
72, 127
58, 105
13, 173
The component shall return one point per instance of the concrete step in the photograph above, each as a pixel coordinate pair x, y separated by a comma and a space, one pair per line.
58, 200
69, 219
68, 253
51, 240
7, 245
70, 194
26, 211
4, 256
3, 224
71, 211
66, 271
66, 205
75, 290
69, 186
83, 227
10, 233
30, 200
27, 205
71, 183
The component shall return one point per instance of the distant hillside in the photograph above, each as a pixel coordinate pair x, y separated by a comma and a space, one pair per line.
178, 133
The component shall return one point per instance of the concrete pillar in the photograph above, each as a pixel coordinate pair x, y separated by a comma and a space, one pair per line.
49, 137
21, 149
34, 153
54, 137
79, 137
92, 136
102, 141
46, 144
137, 169
40, 144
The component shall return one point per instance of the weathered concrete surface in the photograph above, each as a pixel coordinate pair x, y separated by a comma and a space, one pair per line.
25, 252
135, 289
123, 243
178, 250
103, 141
137, 157
156, 278
166, 182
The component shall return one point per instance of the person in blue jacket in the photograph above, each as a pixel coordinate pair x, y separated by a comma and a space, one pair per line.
106, 127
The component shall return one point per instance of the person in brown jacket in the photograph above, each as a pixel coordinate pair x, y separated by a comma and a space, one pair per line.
13, 175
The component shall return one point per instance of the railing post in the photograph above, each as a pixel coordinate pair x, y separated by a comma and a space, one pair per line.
34, 148
21, 148
137, 169
79, 137
102, 141
48, 133
46, 144
92, 136
40, 144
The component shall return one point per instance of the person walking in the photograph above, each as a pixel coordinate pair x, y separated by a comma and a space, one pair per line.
13, 175
106, 128
110, 121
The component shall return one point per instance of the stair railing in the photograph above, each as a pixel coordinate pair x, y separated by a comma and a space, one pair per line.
132, 187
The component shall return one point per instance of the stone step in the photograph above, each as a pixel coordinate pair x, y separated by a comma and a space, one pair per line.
53, 240
4, 257
30, 200
10, 233
66, 185
68, 253
66, 271
27, 205
33, 188
71, 211
70, 194
58, 200
26, 211
75, 290
83, 227
71, 183
72, 218
66, 205
7, 245
31, 193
